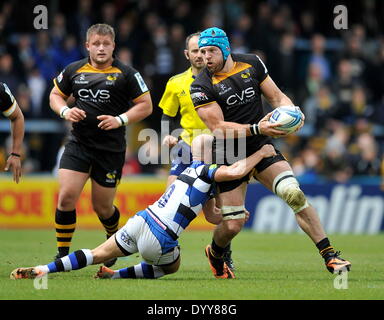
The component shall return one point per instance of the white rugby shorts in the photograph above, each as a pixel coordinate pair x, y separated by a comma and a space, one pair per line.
142, 234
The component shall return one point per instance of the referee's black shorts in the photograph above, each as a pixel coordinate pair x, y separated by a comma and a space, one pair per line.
262, 165
104, 167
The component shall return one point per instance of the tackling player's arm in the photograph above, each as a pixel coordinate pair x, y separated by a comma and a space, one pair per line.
212, 212
17, 130
242, 167
141, 109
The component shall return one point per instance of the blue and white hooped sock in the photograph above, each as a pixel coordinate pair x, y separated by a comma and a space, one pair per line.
139, 271
74, 261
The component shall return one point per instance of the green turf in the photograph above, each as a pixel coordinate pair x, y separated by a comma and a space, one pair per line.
268, 266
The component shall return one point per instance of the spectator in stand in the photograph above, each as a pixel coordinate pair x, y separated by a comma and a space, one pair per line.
58, 30
24, 53
7, 72
67, 52
177, 46
108, 14
342, 87
125, 56
306, 165
285, 65
43, 54
37, 87
336, 166
317, 109
127, 35
366, 160
306, 25
312, 84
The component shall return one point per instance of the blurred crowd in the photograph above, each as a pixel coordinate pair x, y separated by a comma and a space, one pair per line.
335, 76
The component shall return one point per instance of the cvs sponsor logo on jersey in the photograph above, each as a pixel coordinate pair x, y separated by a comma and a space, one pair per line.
241, 97
102, 94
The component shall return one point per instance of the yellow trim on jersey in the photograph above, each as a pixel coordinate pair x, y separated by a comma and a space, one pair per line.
61, 92
140, 95
177, 98
10, 110
264, 80
205, 104
88, 68
238, 67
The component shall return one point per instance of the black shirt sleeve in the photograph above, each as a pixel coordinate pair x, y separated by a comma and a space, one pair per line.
261, 69
135, 83
6, 98
201, 94
63, 81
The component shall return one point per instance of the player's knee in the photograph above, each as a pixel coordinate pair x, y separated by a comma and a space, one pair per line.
67, 200
233, 223
103, 210
287, 187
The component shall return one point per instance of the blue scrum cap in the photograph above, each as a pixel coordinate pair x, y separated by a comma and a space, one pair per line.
215, 37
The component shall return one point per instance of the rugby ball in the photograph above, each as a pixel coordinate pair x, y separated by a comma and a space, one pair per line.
288, 117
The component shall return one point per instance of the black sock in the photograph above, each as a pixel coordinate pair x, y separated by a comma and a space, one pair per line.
227, 248
216, 251
65, 224
324, 247
111, 224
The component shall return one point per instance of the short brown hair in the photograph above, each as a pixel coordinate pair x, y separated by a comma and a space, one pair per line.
101, 29
196, 34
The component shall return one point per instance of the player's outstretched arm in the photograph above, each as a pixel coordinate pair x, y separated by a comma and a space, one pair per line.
240, 168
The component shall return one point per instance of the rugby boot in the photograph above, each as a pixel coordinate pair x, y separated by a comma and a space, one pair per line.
335, 264
218, 266
26, 273
104, 273
227, 256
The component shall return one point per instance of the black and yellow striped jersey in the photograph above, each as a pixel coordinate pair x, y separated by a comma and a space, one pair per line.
109, 91
237, 92
7, 101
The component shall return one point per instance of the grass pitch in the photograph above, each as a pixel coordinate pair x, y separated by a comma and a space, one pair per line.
268, 266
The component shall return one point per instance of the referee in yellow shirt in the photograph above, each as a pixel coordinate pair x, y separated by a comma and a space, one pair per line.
176, 100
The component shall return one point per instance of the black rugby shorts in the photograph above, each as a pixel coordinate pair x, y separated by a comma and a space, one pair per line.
104, 167
262, 165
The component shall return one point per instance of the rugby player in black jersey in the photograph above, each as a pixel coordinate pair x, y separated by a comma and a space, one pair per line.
108, 96
10, 109
227, 97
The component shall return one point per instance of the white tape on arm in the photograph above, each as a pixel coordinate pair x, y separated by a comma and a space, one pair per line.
63, 111
122, 119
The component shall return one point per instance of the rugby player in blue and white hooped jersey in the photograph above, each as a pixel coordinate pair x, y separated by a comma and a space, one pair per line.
154, 231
